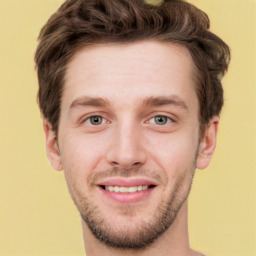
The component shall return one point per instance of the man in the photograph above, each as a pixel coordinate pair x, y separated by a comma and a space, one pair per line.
130, 94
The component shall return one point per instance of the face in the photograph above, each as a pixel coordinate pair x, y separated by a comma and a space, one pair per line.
128, 138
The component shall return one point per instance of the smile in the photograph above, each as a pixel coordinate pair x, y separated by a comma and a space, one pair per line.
126, 193
132, 189
126, 190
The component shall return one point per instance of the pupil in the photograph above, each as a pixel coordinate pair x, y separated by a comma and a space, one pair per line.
161, 120
96, 120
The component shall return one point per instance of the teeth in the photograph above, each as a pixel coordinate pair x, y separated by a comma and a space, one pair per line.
125, 189
132, 189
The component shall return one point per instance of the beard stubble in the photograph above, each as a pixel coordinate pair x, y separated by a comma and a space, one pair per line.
127, 236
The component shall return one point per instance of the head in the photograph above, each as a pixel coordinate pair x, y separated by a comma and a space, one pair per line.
130, 94
80, 23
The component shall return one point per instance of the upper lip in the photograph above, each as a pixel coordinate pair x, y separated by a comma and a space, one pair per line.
128, 182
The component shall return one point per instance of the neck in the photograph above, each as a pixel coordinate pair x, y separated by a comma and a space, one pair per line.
174, 241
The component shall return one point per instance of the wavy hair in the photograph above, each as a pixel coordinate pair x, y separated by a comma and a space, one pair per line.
78, 23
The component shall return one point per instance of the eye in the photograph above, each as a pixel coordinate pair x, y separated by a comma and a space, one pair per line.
160, 120
95, 120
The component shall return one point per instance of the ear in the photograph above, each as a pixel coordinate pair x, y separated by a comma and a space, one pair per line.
207, 144
52, 147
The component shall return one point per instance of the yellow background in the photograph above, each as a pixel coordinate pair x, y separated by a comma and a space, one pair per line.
37, 216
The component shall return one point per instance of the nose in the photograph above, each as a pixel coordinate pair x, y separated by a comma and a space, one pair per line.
127, 149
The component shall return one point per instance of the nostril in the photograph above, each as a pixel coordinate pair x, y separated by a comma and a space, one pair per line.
116, 163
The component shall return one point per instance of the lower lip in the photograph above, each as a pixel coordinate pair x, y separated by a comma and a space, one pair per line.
127, 197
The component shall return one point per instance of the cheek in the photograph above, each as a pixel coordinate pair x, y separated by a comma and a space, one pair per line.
80, 154
174, 153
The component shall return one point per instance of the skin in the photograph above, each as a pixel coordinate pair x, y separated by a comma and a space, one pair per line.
117, 83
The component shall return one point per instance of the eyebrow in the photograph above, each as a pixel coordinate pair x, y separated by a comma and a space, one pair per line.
89, 101
153, 101
165, 100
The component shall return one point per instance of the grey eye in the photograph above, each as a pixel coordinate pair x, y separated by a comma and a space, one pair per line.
160, 120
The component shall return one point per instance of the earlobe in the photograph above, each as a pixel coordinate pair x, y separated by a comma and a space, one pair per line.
52, 148
207, 144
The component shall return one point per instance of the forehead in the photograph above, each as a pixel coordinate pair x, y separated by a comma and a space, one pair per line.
129, 72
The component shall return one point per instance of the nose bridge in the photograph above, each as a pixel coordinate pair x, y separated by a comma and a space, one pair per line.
126, 148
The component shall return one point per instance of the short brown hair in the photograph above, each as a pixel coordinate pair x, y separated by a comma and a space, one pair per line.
78, 23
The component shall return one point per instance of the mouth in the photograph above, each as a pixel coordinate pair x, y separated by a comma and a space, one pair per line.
131, 189
126, 191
